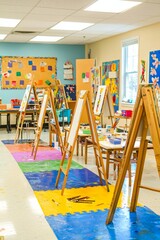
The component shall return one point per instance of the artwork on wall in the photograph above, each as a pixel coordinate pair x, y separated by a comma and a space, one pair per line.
110, 77
85, 77
68, 71
17, 71
70, 91
95, 81
154, 68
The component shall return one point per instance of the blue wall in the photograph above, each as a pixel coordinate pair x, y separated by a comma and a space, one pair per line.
61, 52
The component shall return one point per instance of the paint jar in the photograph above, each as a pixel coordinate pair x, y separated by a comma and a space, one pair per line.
108, 128
56, 145
99, 128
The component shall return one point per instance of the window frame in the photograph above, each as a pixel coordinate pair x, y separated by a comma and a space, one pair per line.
126, 43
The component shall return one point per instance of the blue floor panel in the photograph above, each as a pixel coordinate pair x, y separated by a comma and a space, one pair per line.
42, 181
140, 225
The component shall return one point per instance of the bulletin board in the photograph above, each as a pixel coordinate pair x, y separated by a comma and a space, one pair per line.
110, 77
83, 82
17, 71
154, 68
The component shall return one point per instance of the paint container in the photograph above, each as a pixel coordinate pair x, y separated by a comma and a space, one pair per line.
56, 145
108, 128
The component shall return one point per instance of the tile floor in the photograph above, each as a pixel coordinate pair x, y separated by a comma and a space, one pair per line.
21, 217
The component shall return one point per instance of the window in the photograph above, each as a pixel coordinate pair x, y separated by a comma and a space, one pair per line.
129, 71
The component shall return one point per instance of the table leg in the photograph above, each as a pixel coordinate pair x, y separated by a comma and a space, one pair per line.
107, 163
85, 151
8, 123
78, 140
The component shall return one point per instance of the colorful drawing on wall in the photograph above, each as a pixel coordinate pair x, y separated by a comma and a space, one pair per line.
15, 71
143, 71
154, 68
110, 77
70, 91
85, 77
95, 81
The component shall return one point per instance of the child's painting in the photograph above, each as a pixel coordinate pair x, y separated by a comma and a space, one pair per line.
110, 77
95, 81
154, 68
70, 91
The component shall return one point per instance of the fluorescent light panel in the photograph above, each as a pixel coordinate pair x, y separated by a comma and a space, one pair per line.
8, 22
2, 36
76, 26
46, 39
112, 6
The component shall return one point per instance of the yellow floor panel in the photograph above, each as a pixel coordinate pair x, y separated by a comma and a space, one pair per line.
97, 198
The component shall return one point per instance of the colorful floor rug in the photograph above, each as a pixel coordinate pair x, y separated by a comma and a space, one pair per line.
82, 211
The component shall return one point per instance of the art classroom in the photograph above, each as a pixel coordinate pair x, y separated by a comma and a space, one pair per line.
79, 120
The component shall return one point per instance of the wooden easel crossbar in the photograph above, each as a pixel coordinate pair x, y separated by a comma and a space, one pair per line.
82, 101
145, 116
47, 100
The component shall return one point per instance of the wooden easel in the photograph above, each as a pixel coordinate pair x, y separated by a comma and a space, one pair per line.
145, 115
47, 99
55, 86
103, 104
30, 89
82, 101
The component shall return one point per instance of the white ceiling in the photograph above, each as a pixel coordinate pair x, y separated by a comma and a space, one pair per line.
38, 16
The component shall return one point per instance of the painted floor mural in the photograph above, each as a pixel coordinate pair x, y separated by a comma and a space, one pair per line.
82, 211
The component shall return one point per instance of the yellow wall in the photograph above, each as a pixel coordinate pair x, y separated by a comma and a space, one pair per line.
110, 48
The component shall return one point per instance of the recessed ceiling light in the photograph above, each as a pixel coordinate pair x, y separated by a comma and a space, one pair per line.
8, 22
2, 36
77, 26
112, 6
46, 39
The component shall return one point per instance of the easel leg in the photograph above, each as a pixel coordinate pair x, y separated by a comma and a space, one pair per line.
100, 165
64, 171
138, 176
86, 151
60, 169
126, 158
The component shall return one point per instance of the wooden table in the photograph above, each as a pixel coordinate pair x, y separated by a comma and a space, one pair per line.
10, 111
7, 113
110, 149
80, 139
